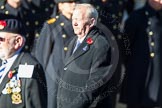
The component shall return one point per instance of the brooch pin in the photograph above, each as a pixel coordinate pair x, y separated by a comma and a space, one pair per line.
85, 48
89, 42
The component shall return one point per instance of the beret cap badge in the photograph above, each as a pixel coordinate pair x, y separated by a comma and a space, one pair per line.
3, 24
12, 26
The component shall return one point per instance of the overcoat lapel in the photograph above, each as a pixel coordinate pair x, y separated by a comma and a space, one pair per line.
6, 79
82, 49
71, 47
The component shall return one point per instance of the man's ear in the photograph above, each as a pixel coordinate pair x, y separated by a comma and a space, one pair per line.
19, 41
92, 22
60, 6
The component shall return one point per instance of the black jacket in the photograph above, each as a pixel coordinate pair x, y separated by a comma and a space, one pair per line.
86, 72
142, 85
51, 49
33, 92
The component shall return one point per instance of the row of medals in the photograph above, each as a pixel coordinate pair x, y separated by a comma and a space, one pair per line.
13, 88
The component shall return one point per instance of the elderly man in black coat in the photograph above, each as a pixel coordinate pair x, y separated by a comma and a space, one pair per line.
22, 80
87, 67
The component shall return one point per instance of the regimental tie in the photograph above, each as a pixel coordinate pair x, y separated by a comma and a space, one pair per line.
77, 45
2, 68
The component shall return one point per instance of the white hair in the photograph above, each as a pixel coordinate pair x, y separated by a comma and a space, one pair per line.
91, 12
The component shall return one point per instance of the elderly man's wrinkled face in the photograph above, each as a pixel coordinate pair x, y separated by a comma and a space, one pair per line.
7, 44
156, 4
80, 22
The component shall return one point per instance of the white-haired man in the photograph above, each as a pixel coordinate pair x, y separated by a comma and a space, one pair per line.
22, 81
87, 64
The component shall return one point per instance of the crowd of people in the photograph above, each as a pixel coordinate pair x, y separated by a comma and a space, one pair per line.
80, 53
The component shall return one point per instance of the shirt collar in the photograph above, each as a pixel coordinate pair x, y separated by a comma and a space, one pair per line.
11, 59
81, 40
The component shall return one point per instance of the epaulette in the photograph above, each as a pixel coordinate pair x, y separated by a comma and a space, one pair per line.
52, 20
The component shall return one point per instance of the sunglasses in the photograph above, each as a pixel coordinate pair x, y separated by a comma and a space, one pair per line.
2, 39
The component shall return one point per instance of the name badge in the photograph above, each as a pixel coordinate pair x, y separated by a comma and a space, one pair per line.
25, 71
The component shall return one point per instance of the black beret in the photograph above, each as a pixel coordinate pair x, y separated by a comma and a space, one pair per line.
12, 26
58, 1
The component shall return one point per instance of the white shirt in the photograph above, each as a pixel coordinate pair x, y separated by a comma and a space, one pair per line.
81, 40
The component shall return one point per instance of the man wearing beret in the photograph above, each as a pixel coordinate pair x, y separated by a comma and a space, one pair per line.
33, 14
52, 45
22, 83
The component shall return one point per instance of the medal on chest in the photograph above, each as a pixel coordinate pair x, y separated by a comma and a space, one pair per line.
13, 88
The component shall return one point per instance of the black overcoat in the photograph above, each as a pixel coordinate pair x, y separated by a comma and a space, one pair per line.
142, 85
51, 49
86, 72
33, 92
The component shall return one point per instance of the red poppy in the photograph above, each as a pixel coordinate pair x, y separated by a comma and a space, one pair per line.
10, 74
3, 23
89, 41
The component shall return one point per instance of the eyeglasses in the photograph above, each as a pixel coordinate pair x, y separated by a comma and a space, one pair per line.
2, 39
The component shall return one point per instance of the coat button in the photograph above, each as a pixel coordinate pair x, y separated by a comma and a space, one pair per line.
62, 24
57, 17
151, 33
64, 35
2, 7
152, 55
152, 44
36, 34
27, 23
65, 68
6, 12
65, 48
36, 23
